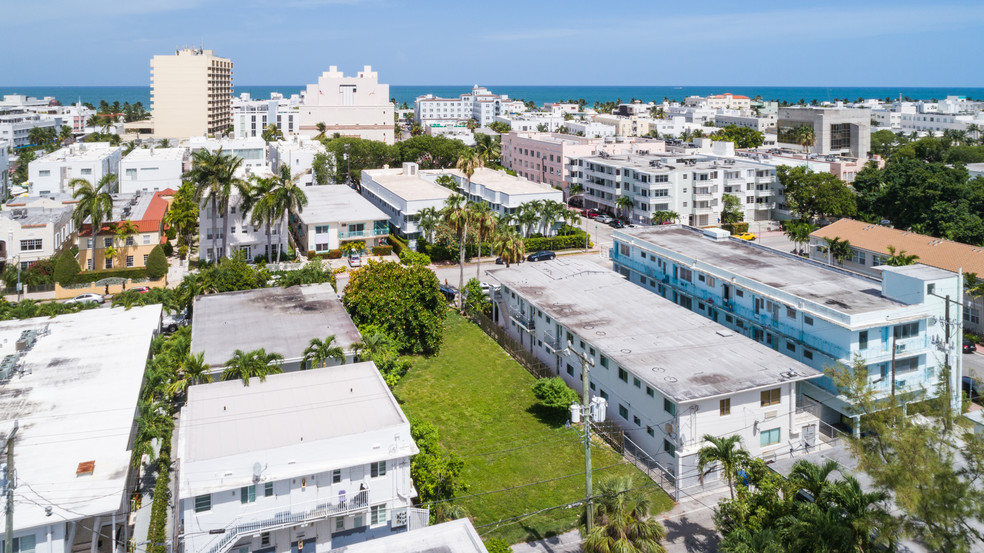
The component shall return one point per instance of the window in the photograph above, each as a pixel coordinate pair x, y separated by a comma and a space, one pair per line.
739, 292
339, 524
265, 539
650, 431
247, 494
31, 245
336, 476
863, 339
131, 174
109, 263
146, 239
604, 361
321, 229
268, 489
203, 503
603, 394
686, 274
107, 242
791, 346
636, 382
44, 173
771, 397
377, 469
636, 420
725, 406
668, 447
791, 313
769, 437
623, 375
669, 406
808, 320
377, 514
129, 261
807, 353
321, 247
145, 259
623, 411
907, 330
570, 370
24, 544
649, 392
129, 241
89, 264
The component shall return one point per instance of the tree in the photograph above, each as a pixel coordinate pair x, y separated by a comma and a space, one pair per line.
65, 134
193, 370
257, 363
24, 160
742, 137
573, 191
213, 176
837, 249
66, 268
816, 195
375, 342
404, 301
322, 168
489, 148
94, 204
726, 452
322, 130
319, 352
156, 263
476, 301
509, 246
623, 204
124, 231
447, 181
622, 520
260, 203
898, 258
554, 393
271, 133
732, 210
484, 224
457, 214
183, 213
805, 136
436, 474
811, 477
661, 217
427, 220
799, 231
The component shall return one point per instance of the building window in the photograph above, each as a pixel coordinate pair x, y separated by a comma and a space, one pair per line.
623, 375
129, 241
807, 353
791, 313
604, 361
570, 370
636, 420
108, 263
769, 437
321, 229
669, 406
203, 503
336, 476
771, 397
649, 392
808, 320
247, 494
907, 330
268, 489
145, 259
377, 514
377, 469
863, 340
146, 240
650, 431
339, 524
725, 406
129, 261
791, 346
31, 245
23, 544
668, 447
89, 264
265, 539
623, 411
107, 242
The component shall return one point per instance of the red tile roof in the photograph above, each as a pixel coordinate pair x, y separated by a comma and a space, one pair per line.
149, 222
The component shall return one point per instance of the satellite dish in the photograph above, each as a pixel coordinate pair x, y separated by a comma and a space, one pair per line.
257, 471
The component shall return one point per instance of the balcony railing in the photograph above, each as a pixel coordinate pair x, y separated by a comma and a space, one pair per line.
552, 342
521, 318
363, 233
284, 519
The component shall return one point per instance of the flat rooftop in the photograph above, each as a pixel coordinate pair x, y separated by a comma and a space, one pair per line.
280, 320
408, 187
334, 203
648, 335
456, 536
834, 289
151, 154
82, 151
669, 162
74, 394
222, 419
500, 181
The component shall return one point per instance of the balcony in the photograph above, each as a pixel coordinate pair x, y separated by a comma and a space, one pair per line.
362, 233
521, 318
765, 205
291, 517
553, 343
763, 193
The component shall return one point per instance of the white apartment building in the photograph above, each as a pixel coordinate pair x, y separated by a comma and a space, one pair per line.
669, 376
4, 170
638, 125
356, 106
16, 124
815, 313
479, 104
593, 129
52, 173
720, 101
297, 153
336, 214
250, 117
253, 151
279, 320
152, 169
532, 121
71, 388
691, 185
747, 120
502, 192
191, 93
402, 193
325, 463
32, 229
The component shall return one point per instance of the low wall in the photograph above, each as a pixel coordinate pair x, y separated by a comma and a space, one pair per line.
74, 290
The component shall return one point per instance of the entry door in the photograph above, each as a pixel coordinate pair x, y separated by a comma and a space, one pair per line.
308, 546
809, 435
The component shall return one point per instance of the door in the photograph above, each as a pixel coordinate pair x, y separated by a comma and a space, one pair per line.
809, 435
307, 546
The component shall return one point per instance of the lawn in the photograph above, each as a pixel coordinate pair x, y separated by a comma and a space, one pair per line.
481, 401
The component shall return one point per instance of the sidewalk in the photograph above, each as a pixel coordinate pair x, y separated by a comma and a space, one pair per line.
690, 524
569, 542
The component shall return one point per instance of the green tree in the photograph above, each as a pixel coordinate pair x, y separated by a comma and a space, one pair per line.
623, 205
94, 204
457, 214
554, 393
489, 148
427, 220
732, 213
183, 213
475, 299
323, 169
573, 191
24, 159
214, 178
257, 363
898, 258
816, 195
484, 225
837, 249
805, 136
799, 231
319, 352
726, 452
156, 263
271, 133
623, 524
66, 268
193, 370
437, 474
742, 137
660, 217
322, 130
509, 246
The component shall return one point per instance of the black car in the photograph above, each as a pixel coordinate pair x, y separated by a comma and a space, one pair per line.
969, 346
450, 292
541, 256
616, 224
970, 388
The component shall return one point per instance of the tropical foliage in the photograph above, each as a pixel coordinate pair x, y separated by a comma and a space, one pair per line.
816, 195
246, 365
622, 520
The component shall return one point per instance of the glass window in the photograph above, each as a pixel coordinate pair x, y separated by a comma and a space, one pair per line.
321, 229
604, 361
769, 437
131, 174
107, 242
109, 263
649, 392
129, 261
623, 411
725, 406
268, 489
623, 375
840, 136
339, 524
377, 469
907, 330
808, 320
336, 476
636, 382
771, 397
650, 431
377, 514
247, 494
669, 406
203, 503
33, 244
668, 447
863, 339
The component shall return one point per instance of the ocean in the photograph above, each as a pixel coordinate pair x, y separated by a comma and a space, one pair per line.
537, 94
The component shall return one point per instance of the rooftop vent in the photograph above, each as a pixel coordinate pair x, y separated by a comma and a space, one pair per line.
85, 468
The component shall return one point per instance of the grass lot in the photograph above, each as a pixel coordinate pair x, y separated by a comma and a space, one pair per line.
481, 401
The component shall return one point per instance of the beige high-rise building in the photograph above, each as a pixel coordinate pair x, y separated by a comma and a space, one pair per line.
191, 93
356, 106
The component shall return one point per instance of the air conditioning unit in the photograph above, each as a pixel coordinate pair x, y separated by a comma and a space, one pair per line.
669, 428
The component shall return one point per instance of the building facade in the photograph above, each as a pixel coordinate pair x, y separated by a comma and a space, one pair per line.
336, 214
153, 169
250, 117
479, 104
503, 193
298, 154
812, 312
356, 106
145, 211
191, 93
836, 130
53, 173
32, 229
16, 125
402, 194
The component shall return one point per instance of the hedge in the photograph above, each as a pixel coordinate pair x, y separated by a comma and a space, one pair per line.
735, 228
382, 250
157, 533
156, 263
570, 242
334, 254
397, 244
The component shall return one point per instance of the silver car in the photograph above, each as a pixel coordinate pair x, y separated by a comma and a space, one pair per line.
86, 298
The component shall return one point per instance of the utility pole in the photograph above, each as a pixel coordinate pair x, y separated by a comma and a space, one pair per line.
9, 513
586, 363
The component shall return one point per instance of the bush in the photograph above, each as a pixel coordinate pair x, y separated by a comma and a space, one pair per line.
735, 228
554, 393
569, 242
397, 244
497, 545
334, 254
408, 257
66, 269
156, 263
183, 252
171, 233
168, 249
475, 299
382, 250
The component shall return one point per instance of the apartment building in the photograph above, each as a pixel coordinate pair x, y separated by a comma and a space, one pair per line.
32, 229
4, 170
298, 153
843, 167
869, 255
337, 214
812, 312
746, 120
643, 125
190, 93
844, 131
640, 351
53, 173
153, 169
250, 117
454, 536
546, 157
325, 464
502, 192
402, 193
279, 320
478, 104
356, 106
691, 185
71, 386
593, 129
253, 151
145, 211
720, 101
16, 125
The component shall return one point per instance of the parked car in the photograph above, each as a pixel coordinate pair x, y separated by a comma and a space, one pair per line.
746, 236
486, 287
450, 292
541, 256
141, 289
592, 214
969, 346
970, 388
173, 321
616, 224
500, 261
604, 219
355, 260
86, 298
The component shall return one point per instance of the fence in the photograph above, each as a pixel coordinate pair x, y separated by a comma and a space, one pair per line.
529, 361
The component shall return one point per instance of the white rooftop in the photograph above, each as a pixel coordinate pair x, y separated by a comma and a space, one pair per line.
408, 187
151, 154
337, 203
455, 536
83, 151
500, 181
75, 399
647, 334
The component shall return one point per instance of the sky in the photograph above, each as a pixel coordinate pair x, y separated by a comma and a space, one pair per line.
506, 42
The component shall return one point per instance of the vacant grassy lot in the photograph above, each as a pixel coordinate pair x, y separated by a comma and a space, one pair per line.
482, 403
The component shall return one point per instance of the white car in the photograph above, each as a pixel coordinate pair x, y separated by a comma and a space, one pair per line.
86, 298
605, 219
355, 260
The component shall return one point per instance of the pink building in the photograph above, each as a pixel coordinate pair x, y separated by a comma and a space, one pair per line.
545, 157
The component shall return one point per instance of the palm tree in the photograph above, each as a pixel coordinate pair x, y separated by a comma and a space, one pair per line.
837, 249
484, 221
812, 477
865, 514
509, 246
94, 204
193, 370
623, 203
319, 352
289, 198
471, 124
427, 221
257, 363
799, 231
468, 163
660, 217
623, 522
527, 217
573, 191
457, 213
204, 175
373, 344
724, 451
488, 147
272, 133
322, 130
898, 258
259, 203
65, 134
805, 137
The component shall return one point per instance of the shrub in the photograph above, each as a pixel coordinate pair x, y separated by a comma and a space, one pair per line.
497, 545
334, 254
409, 257
735, 228
171, 233
183, 252
475, 299
569, 242
92, 276
156, 263
168, 249
66, 269
382, 250
398, 244
554, 393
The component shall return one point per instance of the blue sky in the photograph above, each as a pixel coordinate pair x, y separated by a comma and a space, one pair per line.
538, 42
